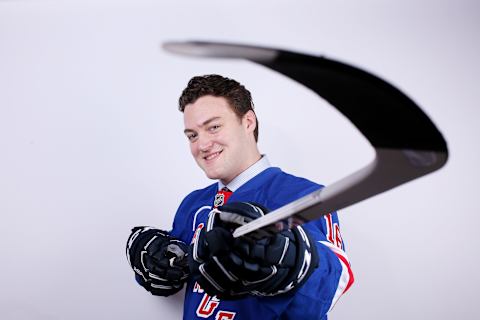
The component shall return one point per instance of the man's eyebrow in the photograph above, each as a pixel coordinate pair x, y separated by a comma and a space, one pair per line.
206, 122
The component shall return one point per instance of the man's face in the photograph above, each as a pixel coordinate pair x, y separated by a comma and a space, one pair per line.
222, 144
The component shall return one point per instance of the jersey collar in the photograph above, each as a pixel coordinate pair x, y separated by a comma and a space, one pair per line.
246, 175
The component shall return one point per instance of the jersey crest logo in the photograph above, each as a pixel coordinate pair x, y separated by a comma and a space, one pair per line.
219, 200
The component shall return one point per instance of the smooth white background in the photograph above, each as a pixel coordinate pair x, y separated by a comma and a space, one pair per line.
91, 144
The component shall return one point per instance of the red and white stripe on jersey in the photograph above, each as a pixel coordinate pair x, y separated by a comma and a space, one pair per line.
346, 278
335, 243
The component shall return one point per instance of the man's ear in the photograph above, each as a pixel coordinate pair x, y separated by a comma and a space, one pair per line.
250, 120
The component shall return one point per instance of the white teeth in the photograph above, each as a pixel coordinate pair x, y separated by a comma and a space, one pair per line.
213, 155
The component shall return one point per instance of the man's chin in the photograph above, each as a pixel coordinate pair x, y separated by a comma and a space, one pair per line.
213, 175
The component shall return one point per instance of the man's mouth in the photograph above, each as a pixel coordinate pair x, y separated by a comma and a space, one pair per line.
212, 156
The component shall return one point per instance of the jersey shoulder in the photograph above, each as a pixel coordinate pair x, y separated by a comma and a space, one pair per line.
183, 223
274, 188
284, 187
199, 195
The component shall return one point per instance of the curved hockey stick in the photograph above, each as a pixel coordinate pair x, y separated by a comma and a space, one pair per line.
407, 144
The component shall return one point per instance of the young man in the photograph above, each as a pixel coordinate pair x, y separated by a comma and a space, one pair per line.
290, 273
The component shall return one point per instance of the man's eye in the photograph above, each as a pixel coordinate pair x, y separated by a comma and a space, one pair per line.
191, 136
214, 127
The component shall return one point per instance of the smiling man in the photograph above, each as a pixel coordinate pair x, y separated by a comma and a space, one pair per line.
293, 272
222, 142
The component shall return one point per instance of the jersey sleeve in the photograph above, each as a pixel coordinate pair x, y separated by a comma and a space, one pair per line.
334, 275
332, 278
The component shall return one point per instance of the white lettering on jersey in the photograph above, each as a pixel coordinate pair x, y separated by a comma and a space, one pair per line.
333, 232
207, 306
197, 288
224, 315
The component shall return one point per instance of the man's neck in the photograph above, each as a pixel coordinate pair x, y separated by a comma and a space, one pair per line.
251, 171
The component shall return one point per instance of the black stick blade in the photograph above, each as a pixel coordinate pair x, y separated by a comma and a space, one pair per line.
407, 143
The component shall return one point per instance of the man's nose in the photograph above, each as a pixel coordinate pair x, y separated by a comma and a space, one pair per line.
205, 143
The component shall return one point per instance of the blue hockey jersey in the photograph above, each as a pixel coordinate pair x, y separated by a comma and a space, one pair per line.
271, 188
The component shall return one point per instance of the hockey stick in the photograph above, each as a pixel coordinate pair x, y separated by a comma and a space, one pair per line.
407, 144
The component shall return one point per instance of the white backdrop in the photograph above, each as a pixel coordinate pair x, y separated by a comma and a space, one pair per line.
91, 144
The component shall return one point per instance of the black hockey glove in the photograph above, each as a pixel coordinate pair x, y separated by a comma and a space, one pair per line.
231, 268
159, 261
